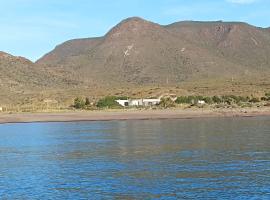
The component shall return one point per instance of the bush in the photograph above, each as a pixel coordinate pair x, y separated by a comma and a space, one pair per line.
87, 102
216, 99
79, 103
188, 99
232, 99
266, 97
183, 100
109, 102
167, 103
208, 100
254, 100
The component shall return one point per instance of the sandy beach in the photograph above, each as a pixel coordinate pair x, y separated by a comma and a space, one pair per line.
130, 115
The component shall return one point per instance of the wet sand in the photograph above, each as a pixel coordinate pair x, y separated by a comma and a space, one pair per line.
131, 115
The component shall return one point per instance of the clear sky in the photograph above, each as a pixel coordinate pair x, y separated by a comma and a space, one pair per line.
31, 28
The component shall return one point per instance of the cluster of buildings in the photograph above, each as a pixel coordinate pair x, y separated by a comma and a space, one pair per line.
138, 102
151, 102
145, 102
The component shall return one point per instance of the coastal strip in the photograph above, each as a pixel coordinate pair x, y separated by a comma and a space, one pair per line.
130, 115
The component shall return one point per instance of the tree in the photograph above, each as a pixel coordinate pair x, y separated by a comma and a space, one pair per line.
87, 101
216, 99
167, 103
79, 103
108, 102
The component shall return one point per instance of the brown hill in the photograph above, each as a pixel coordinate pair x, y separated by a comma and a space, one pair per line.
20, 78
142, 52
138, 55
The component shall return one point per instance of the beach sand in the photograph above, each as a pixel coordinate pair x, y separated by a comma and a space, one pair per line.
131, 115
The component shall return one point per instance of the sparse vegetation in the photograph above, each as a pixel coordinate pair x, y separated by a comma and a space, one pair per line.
225, 99
188, 99
167, 103
79, 103
266, 97
87, 101
109, 102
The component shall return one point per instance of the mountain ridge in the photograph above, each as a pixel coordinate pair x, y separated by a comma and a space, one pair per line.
178, 44
137, 53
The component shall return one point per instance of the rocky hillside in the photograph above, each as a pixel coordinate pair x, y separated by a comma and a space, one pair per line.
245, 45
138, 54
20, 77
137, 51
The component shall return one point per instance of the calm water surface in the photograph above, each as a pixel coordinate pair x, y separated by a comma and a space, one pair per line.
168, 159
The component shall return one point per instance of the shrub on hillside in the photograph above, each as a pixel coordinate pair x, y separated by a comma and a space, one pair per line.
216, 99
254, 100
266, 97
183, 100
109, 102
208, 100
87, 102
188, 99
79, 103
166, 103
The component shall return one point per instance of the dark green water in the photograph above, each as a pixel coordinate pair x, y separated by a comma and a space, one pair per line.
168, 159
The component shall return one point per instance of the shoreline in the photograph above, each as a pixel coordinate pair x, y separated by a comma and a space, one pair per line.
120, 115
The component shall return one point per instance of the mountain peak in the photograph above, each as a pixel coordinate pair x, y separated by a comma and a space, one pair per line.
133, 25
134, 19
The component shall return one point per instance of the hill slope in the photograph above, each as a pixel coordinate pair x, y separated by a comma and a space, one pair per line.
20, 77
199, 57
142, 52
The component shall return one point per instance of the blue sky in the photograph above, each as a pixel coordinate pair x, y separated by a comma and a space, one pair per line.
31, 28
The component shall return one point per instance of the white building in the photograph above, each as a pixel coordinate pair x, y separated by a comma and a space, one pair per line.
123, 103
138, 102
201, 102
151, 102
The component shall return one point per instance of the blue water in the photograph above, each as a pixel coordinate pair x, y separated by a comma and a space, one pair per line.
167, 159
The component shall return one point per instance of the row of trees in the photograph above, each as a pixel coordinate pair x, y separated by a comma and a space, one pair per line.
110, 101
229, 99
106, 102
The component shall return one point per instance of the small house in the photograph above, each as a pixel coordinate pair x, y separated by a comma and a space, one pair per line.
123, 103
201, 102
151, 102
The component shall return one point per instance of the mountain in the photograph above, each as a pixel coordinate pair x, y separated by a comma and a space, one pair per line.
140, 52
138, 55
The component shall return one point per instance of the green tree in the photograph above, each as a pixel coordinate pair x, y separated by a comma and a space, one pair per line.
216, 99
167, 103
79, 103
208, 100
108, 102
